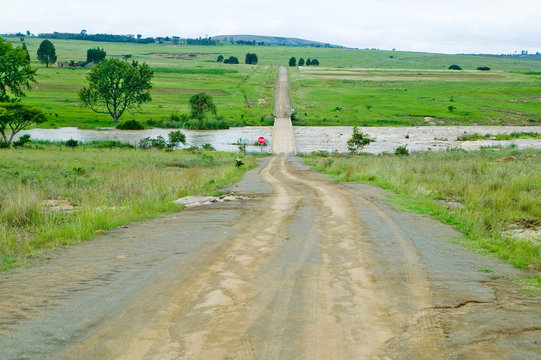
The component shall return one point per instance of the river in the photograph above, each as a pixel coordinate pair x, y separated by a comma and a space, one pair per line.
311, 138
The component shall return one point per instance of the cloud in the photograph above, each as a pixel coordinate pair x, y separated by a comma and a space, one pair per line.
495, 26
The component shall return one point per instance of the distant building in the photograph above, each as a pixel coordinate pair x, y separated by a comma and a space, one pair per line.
61, 64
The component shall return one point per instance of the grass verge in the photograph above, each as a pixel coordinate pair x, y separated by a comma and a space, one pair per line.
481, 198
95, 189
512, 136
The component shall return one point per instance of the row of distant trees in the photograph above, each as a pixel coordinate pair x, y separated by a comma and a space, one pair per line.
139, 39
309, 62
98, 37
250, 59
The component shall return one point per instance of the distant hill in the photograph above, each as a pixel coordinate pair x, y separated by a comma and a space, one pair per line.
272, 40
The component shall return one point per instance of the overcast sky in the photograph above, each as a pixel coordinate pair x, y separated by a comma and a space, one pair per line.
455, 26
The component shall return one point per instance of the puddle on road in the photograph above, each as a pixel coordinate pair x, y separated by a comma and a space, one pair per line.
312, 138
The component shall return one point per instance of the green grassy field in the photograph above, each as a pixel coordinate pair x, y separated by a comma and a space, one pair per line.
107, 187
403, 96
236, 90
489, 198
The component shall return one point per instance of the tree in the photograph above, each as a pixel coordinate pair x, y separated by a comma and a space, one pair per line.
16, 75
95, 55
292, 61
14, 117
220, 58
200, 104
251, 59
315, 62
455, 67
301, 62
357, 141
116, 86
308, 62
27, 56
231, 60
46, 53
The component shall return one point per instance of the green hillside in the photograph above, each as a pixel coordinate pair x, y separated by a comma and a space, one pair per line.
272, 40
401, 88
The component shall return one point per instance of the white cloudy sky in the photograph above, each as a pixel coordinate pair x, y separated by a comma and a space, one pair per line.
452, 26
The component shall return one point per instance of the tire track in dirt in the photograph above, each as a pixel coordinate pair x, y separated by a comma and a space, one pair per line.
353, 323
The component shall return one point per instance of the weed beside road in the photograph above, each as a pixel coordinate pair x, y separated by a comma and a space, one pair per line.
486, 198
51, 197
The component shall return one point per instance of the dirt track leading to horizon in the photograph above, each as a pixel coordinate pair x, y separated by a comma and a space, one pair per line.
283, 141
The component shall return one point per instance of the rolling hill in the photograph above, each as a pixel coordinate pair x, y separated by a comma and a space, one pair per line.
273, 40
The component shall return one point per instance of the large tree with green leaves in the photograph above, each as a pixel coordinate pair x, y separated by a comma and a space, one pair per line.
116, 86
200, 104
14, 117
46, 53
95, 55
16, 75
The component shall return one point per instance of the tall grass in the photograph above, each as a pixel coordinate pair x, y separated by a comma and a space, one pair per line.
512, 136
107, 188
493, 195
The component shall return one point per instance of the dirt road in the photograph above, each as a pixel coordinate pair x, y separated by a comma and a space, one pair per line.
306, 269
283, 141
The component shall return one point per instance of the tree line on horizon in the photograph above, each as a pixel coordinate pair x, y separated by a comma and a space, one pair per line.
309, 62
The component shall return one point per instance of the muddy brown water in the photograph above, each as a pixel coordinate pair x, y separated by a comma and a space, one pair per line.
313, 138
306, 269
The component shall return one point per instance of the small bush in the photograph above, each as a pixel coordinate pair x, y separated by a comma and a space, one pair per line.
401, 151
455, 67
159, 142
23, 140
208, 147
130, 125
145, 143
357, 141
72, 143
175, 138
451, 108
483, 68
